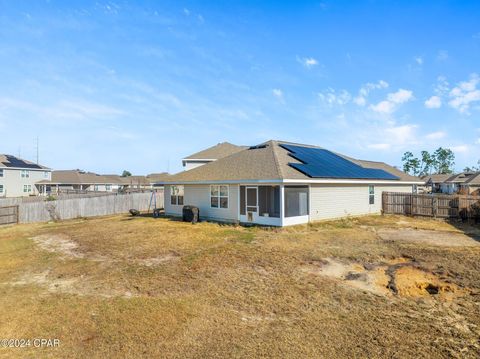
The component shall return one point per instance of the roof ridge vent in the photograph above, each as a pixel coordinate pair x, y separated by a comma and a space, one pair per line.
258, 147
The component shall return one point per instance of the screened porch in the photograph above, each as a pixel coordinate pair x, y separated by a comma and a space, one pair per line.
275, 205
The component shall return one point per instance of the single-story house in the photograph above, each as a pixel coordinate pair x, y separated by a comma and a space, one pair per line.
435, 183
472, 185
279, 183
210, 154
19, 177
67, 181
466, 182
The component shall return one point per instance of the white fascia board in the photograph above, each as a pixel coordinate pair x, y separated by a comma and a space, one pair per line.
199, 159
25, 168
347, 181
219, 182
293, 181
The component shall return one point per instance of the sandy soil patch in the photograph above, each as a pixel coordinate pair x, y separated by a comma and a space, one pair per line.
399, 276
437, 238
409, 281
82, 286
57, 243
155, 261
352, 274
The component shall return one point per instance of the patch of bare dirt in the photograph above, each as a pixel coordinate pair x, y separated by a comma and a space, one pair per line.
394, 277
82, 286
351, 274
57, 243
415, 282
436, 238
155, 261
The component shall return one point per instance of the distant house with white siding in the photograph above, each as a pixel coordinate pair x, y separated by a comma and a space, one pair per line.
210, 154
19, 178
280, 183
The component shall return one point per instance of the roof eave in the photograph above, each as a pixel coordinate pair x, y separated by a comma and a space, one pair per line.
296, 181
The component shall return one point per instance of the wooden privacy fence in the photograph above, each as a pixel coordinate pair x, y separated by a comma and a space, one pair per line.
8, 215
431, 205
86, 207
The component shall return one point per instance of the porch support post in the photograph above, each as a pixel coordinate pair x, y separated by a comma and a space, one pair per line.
282, 204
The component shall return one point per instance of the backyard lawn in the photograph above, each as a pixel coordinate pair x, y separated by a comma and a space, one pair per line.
126, 286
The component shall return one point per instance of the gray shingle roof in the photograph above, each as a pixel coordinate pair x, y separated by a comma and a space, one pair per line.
267, 161
216, 152
7, 161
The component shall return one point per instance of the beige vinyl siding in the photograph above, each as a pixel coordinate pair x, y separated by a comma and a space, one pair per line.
13, 182
336, 201
199, 196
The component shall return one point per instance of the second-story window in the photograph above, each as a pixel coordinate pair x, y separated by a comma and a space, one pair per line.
25, 173
1, 172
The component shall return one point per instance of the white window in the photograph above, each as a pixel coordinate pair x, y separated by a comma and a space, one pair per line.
1, 172
45, 174
1, 188
27, 188
25, 173
176, 195
95, 187
414, 188
371, 194
218, 196
108, 187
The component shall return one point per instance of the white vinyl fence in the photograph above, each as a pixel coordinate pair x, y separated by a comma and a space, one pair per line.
86, 207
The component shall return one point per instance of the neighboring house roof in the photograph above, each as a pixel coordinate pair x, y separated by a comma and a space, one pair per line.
135, 180
474, 180
268, 161
157, 177
82, 177
436, 178
9, 161
461, 177
216, 152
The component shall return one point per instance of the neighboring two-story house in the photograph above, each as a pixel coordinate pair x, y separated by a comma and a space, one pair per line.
19, 177
210, 154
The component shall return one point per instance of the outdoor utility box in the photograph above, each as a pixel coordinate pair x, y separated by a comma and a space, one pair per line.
191, 214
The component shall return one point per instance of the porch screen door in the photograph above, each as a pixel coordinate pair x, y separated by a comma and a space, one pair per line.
252, 199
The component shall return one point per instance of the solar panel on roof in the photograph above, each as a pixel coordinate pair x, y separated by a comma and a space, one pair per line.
16, 162
321, 163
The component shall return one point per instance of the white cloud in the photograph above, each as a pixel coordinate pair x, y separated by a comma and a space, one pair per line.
278, 93
464, 94
460, 148
433, 102
400, 96
442, 55
436, 135
419, 60
308, 62
186, 11
379, 146
361, 99
401, 135
478, 141
442, 86
332, 97
393, 100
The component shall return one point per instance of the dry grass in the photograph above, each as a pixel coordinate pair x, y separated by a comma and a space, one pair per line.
123, 287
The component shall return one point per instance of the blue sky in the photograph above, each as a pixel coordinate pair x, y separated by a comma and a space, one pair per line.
116, 85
